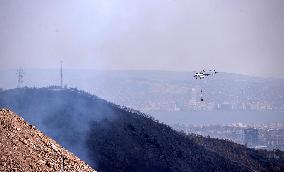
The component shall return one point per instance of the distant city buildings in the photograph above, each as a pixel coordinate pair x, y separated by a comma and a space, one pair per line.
191, 102
251, 137
193, 105
262, 136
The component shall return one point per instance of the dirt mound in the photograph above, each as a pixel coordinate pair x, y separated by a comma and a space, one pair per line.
24, 148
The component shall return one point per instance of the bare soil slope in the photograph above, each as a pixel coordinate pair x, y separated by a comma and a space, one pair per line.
24, 148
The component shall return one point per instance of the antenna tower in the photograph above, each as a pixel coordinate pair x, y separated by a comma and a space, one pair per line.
20, 76
61, 74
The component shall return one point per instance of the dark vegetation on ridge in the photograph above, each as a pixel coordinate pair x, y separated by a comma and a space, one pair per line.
114, 138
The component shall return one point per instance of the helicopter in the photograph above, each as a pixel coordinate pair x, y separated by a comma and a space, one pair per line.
203, 74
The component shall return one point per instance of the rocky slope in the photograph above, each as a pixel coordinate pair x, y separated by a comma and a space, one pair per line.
24, 148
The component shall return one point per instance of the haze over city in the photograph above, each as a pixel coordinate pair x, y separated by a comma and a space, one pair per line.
245, 37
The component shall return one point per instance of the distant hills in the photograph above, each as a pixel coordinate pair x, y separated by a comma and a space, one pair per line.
162, 91
110, 137
23, 148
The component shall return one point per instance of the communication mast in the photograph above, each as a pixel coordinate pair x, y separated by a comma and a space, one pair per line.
20, 76
61, 74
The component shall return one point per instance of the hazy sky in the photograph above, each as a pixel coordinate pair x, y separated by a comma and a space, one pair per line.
241, 36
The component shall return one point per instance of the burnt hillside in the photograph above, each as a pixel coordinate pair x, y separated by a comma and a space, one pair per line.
114, 138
